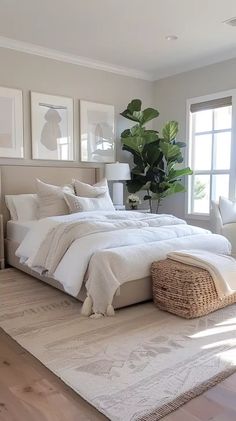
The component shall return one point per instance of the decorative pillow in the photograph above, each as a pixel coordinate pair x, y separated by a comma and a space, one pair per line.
86, 190
11, 207
227, 210
83, 204
51, 199
22, 207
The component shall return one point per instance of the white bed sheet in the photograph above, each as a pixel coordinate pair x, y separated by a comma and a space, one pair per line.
17, 230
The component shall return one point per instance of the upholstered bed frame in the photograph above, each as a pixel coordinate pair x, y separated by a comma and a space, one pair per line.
21, 179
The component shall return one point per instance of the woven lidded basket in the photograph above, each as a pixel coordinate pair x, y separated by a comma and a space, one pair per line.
185, 290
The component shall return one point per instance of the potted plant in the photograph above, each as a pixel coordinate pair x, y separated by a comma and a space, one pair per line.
133, 201
157, 157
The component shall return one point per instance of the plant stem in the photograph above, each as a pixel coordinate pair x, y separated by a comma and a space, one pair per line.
158, 204
149, 200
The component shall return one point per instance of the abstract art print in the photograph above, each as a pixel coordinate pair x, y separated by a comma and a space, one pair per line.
97, 140
11, 123
52, 127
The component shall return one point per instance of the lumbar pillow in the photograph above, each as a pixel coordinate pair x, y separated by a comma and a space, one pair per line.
83, 204
227, 210
86, 190
51, 199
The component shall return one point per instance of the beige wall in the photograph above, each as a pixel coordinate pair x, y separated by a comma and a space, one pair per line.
170, 98
29, 72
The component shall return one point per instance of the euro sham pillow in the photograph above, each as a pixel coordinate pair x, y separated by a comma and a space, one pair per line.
22, 207
87, 204
227, 210
51, 199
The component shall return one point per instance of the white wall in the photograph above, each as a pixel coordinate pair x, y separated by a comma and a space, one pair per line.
170, 98
29, 72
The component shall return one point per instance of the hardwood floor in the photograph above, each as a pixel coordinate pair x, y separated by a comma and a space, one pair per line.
30, 392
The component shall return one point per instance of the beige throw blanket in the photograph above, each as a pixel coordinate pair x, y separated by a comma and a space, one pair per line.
221, 267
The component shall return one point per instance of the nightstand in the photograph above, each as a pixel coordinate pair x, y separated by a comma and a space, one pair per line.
2, 260
139, 210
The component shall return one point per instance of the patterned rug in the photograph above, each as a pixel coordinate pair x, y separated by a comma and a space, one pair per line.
139, 365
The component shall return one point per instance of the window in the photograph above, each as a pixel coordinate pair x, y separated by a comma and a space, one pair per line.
210, 150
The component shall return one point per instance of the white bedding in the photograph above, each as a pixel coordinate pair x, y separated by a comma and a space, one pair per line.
112, 247
17, 230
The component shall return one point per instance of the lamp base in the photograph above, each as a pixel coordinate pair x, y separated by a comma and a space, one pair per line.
118, 194
119, 207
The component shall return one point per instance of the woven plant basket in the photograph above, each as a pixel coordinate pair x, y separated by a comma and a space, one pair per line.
185, 290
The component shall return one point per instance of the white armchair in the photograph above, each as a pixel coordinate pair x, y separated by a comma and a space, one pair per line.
223, 220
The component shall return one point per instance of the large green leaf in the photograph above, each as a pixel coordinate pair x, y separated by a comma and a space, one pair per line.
179, 173
150, 136
169, 150
170, 131
135, 143
134, 105
139, 170
125, 133
133, 112
148, 115
175, 188
137, 130
153, 153
136, 184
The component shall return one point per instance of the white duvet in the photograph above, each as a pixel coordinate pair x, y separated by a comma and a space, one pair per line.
108, 249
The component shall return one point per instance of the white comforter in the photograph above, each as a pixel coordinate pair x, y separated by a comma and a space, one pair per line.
111, 247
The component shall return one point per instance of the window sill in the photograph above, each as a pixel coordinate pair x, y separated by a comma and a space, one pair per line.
197, 216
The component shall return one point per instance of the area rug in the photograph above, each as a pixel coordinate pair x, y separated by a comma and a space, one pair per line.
139, 365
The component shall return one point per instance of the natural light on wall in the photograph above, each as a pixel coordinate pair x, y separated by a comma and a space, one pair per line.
210, 146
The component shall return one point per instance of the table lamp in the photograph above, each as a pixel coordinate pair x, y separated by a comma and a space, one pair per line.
117, 172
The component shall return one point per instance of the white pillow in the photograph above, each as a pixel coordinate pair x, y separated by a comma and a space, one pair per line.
84, 204
227, 210
51, 199
11, 207
86, 190
22, 207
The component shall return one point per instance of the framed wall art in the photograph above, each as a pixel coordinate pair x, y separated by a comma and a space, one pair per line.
97, 140
52, 127
11, 123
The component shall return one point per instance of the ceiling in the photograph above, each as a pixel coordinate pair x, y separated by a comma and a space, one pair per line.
124, 34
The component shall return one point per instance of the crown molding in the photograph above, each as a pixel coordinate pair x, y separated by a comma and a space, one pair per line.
38, 50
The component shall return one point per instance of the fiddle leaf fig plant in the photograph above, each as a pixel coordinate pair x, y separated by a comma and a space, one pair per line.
157, 157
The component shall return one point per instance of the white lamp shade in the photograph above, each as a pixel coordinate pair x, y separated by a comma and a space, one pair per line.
117, 171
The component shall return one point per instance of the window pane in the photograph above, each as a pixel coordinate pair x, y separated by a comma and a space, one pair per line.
223, 118
222, 151
201, 194
220, 186
202, 152
203, 121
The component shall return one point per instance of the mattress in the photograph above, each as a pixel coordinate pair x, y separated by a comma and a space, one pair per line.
16, 230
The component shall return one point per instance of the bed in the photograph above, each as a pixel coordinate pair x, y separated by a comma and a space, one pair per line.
117, 247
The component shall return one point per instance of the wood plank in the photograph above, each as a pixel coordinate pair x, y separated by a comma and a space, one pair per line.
30, 392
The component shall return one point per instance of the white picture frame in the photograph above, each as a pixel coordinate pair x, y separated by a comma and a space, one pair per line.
97, 132
11, 123
52, 125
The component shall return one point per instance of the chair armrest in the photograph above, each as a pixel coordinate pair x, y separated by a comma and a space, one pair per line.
216, 223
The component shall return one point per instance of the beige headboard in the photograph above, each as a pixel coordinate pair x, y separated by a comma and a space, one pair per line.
21, 179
